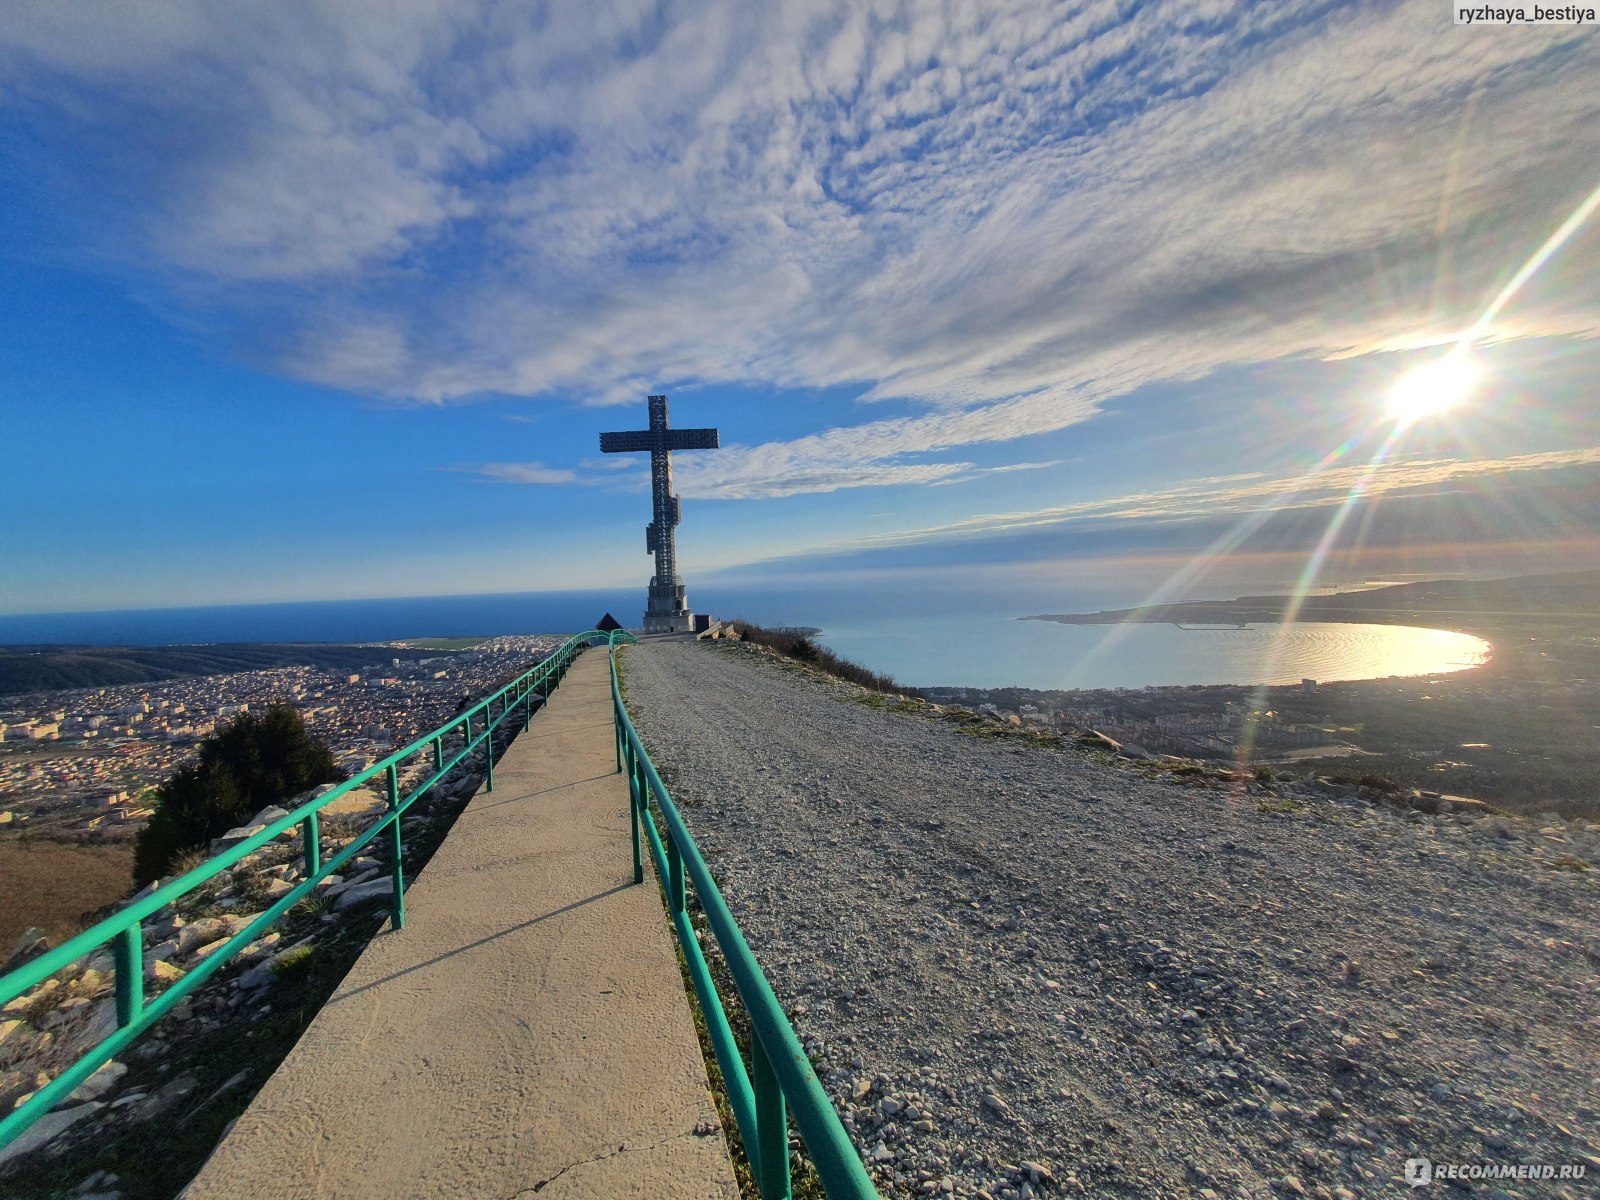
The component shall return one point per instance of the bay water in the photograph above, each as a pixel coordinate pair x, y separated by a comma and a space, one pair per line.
950, 636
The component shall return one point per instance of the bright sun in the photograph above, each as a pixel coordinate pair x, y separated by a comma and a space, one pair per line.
1432, 388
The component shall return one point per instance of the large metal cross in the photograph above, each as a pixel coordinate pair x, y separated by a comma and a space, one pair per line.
668, 610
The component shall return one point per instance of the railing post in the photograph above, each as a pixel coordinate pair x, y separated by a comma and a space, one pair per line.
129, 957
488, 748
772, 1126
397, 870
311, 844
438, 753
636, 822
675, 892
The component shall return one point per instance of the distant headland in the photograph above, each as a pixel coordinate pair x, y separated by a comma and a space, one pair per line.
1470, 605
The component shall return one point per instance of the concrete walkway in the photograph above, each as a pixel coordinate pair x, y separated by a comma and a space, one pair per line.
526, 1032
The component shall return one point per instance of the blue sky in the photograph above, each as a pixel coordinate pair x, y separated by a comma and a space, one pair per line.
305, 301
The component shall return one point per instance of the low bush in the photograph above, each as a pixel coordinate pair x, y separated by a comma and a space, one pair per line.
253, 761
800, 645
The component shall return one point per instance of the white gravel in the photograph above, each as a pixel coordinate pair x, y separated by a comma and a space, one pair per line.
1029, 971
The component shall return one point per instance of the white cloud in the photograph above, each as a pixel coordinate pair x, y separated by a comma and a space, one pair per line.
1250, 492
1005, 214
619, 462
530, 472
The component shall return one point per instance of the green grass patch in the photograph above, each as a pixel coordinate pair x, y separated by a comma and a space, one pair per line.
445, 643
292, 961
978, 726
1281, 807
312, 906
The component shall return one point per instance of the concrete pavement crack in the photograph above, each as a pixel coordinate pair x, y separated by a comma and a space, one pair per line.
583, 1162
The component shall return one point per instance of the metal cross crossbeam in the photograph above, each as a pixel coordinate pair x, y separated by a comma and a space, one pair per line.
668, 609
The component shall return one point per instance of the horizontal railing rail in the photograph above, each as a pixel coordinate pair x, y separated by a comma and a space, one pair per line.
779, 1078
123, 930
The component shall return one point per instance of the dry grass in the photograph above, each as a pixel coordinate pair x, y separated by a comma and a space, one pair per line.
800, 646
53, 885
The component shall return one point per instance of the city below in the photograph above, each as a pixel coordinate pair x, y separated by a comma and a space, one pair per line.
84, 761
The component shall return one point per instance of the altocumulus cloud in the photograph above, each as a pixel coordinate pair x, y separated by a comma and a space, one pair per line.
1002, 214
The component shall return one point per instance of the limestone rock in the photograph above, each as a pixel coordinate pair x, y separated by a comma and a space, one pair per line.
268, 815
204, 952
47, 1128
30, 945
234, 836
101, 1082
353, 896
201, 933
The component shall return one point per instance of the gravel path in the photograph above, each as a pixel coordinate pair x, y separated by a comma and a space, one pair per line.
1029, 971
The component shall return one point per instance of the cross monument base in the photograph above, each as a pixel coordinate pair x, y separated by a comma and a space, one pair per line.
675, 622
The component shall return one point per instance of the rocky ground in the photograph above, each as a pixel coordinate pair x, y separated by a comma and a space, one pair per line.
1028, 969
172, 1093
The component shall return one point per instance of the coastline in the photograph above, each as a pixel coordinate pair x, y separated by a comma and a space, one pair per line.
1494, 611
1521, 730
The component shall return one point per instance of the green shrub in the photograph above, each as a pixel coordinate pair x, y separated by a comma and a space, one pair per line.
798, 645
250, 763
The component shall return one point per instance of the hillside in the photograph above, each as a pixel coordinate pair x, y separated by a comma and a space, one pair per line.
1573, 595
52, 668
1144, 981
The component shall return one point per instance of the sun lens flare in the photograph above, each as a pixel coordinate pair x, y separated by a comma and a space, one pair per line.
1432, 388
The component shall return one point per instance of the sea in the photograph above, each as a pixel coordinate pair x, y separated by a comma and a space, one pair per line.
953, 637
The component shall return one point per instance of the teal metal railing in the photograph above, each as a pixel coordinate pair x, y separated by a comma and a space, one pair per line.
123, 930
779, 1078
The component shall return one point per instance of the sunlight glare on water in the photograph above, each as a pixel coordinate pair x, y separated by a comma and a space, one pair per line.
1000, 652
